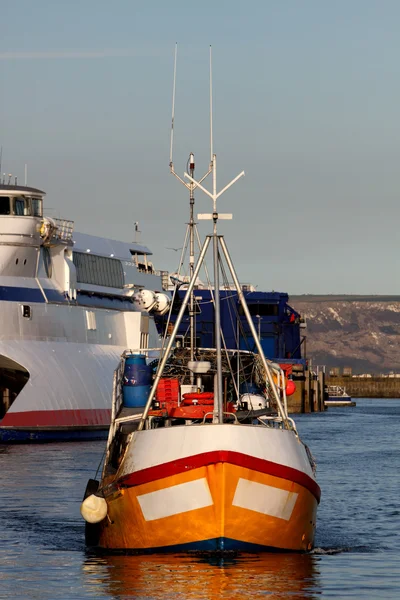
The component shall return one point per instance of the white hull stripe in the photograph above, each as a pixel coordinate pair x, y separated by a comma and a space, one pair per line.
175, 500
264, 499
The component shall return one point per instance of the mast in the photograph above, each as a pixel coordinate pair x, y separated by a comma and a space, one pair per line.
214, 216
191, 186
218, 402
218, 242
191, 264
218, 394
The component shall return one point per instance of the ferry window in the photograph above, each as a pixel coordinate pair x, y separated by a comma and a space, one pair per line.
262, 310
21, 207
47, 261
36, 207
26, 311
90, 320
4, 205
98, 270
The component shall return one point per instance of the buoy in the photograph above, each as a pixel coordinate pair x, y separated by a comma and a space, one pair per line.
162, 303
290, 387
94, 509
145, 299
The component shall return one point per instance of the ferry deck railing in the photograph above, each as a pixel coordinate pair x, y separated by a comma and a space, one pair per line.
64, 230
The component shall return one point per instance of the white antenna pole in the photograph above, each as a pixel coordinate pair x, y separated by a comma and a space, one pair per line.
191, 226
173, 108
211, 112
26, 174
190, 186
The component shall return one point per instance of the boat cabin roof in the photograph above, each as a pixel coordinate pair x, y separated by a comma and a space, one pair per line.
84, 242
6, 190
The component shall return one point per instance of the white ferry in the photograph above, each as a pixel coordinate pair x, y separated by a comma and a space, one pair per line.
70, 304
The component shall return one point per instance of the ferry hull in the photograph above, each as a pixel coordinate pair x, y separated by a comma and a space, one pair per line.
55, 425
21, 436
67, 394
215, 501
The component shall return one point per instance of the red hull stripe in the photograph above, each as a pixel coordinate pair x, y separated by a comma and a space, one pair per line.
58, 418
182, 465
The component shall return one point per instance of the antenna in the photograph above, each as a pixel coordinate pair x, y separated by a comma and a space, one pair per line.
191, 225
137, 232
26, 174
1, 157
211, 114
173, 106
214, 216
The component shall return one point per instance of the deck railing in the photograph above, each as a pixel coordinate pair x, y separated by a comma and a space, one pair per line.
64, 230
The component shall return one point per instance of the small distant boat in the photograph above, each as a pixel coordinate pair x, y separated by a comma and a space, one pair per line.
336, 395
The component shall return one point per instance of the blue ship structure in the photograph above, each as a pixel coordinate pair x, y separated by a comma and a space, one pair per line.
278, 325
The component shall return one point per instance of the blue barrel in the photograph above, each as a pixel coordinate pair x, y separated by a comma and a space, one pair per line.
137, 381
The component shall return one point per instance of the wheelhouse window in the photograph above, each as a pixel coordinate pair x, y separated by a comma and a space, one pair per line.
36, 207
22, 206
4, 205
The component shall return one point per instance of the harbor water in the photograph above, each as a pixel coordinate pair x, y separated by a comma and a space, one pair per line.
357, 554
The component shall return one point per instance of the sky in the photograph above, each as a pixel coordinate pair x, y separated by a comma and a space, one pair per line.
306, 100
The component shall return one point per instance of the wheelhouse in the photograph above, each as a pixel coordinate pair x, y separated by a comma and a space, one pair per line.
17, 201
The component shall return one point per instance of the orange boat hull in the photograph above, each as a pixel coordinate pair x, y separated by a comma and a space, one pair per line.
215, 507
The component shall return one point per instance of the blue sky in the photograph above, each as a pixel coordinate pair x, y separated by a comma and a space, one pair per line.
306, 101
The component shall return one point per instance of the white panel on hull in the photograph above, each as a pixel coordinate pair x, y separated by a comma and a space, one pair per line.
264, 499
175, 500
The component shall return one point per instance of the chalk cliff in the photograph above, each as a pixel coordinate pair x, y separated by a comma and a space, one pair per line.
361, 332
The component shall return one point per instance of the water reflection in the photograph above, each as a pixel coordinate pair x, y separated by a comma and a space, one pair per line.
186, 576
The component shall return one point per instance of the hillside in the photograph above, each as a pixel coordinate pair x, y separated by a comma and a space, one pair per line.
361, 332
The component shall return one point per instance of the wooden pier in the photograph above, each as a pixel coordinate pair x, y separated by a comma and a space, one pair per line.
309, 394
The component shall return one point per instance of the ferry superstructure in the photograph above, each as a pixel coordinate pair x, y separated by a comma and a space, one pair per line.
69, 305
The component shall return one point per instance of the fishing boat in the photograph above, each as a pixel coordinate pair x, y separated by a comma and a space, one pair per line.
212, 462
70, 303
336, 395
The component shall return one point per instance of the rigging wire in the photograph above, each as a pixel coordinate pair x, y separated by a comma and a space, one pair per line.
183, 254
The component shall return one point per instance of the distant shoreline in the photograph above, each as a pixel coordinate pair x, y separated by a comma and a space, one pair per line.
342, 298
